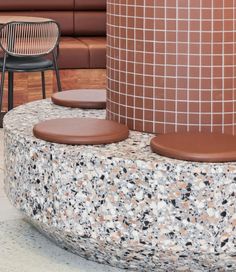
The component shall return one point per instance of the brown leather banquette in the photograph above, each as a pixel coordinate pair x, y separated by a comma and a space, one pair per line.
83, 27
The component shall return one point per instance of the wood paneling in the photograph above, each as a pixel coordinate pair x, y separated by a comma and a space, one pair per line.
27, 86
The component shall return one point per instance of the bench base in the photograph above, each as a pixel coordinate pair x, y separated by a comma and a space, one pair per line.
120, 204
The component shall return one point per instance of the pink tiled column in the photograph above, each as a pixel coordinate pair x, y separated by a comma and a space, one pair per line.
171, 64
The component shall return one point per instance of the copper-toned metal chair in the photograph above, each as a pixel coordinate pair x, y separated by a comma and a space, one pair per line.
25, 46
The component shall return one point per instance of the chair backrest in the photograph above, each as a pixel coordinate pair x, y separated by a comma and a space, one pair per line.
29, 38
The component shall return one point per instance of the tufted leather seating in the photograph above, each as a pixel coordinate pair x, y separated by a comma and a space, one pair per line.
83, 27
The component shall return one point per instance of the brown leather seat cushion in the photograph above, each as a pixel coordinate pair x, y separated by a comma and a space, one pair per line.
83, 98
86, 131
84, 52
73, 53
97, 51
201, 147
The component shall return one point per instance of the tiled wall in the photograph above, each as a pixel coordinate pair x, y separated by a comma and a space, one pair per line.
171, 64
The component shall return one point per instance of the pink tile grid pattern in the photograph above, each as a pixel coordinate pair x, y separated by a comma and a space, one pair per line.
171, 65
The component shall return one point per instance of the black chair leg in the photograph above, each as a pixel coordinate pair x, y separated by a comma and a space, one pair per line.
2, 81
57, 72
10, 90
43, 84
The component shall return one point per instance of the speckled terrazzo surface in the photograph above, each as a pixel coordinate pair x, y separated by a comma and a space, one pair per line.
121, 204
24, 249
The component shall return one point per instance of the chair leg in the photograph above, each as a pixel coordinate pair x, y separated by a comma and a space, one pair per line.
43, 84
2, 81
57, 72
10, 90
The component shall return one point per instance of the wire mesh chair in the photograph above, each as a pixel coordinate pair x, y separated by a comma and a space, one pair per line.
25, 45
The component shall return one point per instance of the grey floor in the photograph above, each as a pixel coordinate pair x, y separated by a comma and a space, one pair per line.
24, 249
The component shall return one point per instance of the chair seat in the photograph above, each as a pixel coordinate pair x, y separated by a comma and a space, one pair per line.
200, 147
83, 98
26, 63
81, 131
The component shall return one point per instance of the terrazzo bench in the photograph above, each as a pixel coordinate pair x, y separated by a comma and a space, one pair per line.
121, 204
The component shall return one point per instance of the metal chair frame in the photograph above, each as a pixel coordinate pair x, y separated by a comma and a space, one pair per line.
54, 51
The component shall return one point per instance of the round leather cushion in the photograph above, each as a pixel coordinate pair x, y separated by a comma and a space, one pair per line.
81, 131
201, 147
83, 98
